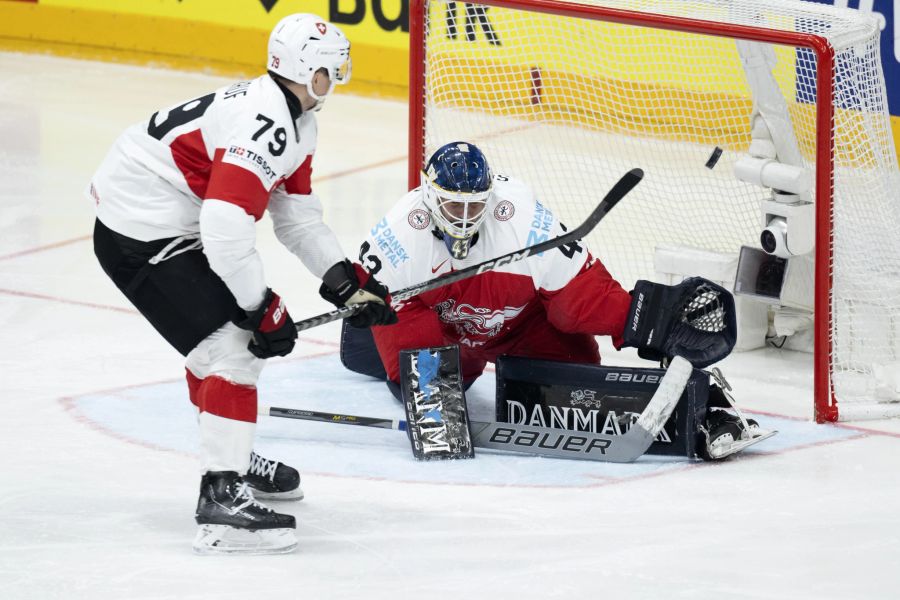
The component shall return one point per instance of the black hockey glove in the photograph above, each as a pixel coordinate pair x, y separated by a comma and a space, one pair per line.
694, 319
273, 329
346, 283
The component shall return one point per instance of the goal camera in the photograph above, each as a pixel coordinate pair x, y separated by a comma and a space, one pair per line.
788, 225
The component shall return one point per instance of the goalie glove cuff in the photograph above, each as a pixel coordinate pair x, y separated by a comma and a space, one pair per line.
647, 325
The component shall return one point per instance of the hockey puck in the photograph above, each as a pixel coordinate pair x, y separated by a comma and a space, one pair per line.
713, 158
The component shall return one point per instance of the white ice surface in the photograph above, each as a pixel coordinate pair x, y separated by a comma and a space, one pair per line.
99, 444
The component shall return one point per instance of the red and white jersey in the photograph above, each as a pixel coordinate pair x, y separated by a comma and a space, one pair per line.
497, 312
212, 166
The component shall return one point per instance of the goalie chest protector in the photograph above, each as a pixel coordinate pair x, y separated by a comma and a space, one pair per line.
604, 400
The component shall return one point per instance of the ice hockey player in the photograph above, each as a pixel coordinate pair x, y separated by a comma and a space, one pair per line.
549, 306
177, 200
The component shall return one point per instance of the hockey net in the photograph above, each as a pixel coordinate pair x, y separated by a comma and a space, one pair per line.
569, 96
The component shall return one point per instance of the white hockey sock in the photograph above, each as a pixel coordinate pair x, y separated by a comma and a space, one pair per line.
227, 424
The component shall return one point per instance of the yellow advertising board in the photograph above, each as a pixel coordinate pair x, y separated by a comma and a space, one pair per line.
220, 36
372, 22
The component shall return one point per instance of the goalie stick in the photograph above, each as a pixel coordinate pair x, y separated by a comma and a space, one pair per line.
618, 191
544, 441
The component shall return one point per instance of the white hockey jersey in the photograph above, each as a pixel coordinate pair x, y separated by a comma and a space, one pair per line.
548, 306
212, 166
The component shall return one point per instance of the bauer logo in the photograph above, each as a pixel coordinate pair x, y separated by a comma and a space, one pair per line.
564, 441
632, 378
637, 311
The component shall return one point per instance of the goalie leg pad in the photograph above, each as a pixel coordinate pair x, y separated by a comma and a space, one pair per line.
436, 413
597, 399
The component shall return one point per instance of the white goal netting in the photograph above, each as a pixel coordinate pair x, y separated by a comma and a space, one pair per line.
569, 103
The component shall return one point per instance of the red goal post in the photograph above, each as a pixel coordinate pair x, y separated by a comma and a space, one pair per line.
502, 96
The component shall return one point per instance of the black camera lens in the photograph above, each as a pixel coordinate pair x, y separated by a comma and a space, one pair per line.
767, 241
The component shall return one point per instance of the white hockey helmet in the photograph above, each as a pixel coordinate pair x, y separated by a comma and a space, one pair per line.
301, 44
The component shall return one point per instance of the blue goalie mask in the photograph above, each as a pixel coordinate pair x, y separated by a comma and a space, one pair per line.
457, 183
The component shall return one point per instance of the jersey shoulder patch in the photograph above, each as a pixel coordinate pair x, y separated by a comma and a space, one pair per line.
511, 197
417, 216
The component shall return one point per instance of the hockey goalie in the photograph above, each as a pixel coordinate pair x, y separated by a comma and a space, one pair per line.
549, 307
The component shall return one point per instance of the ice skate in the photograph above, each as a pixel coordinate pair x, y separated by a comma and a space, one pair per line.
231, 521
725, 433
273, 480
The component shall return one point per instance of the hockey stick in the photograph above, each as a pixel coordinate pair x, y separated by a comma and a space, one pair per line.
618, 191
545, 441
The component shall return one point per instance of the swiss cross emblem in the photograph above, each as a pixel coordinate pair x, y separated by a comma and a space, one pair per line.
321, 28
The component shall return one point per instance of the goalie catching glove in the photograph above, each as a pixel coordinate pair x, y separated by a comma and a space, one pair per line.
345, 284
694, 319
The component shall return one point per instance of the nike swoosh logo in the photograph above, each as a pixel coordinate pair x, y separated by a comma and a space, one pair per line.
438, 268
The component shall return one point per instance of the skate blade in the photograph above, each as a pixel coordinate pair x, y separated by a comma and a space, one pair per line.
295, 494
224, 539
726, 450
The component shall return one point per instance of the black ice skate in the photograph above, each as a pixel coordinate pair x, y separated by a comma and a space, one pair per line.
273, 480
231, 521
725, 433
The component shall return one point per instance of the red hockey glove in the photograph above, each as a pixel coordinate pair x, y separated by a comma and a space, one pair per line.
346, 283
273, 329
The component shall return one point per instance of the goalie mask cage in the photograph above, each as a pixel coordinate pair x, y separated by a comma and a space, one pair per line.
569, 95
